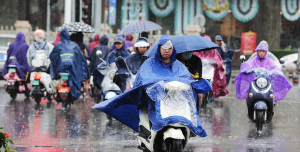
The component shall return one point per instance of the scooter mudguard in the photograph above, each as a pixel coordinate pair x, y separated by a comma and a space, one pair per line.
260, 105
173, 133
110, 94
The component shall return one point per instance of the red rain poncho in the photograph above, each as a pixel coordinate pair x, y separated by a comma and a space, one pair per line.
219, 80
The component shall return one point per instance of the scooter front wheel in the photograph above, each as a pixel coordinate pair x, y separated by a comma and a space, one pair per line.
260, 119
175, 145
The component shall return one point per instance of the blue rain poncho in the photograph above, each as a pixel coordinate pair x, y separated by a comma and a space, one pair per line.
16, 55
66, 57
125, 106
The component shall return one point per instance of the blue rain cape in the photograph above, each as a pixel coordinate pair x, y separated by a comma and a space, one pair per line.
125, 106
66, 57
111, 58
16, 55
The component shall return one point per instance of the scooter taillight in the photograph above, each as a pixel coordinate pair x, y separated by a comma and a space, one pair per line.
11, 75
64, 96
64, 84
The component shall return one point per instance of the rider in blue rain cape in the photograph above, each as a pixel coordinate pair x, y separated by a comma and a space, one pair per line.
111, 58
125, 106
66, 57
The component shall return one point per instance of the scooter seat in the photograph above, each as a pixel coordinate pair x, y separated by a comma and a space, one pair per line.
40, 69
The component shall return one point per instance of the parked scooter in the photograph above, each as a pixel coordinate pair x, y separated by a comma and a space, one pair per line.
260, 97
176, 99
15, 84
40, 79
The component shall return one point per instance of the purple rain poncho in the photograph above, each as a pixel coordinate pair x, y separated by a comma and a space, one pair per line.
16, 55
252, 69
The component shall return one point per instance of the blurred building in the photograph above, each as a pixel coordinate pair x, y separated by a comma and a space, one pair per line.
274, 21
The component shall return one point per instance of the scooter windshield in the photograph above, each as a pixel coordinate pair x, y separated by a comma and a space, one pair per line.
208, 68
176, 99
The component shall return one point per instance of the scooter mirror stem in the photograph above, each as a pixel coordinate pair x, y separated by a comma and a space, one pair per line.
99, 53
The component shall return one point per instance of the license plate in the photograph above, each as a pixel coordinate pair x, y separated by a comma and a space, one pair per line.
64, 77
11, 70
35, 82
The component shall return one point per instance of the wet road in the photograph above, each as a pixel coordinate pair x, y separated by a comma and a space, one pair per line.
84, 129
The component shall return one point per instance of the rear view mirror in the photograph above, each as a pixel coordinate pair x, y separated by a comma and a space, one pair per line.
99, 53
281, 61
242, 58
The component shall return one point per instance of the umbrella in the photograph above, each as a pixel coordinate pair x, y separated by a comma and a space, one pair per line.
185, 44
140, 26
77, 27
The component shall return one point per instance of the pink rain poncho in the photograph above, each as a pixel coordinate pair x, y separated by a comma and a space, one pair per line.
219, 80
252, 69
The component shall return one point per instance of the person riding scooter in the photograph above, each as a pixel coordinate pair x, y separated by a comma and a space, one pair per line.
16, 55
156, 75
194, 65
128, 69
219, 81
274, 74
67, 57
119, 51
39, 44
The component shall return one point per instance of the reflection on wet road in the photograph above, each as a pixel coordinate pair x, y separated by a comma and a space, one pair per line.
84, 129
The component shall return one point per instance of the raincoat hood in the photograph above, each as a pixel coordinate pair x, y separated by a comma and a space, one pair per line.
104, 40
265, 43
57, 39
96, 37
65, 36
261, 47
20, 38
157, 56
129, 37
121, 39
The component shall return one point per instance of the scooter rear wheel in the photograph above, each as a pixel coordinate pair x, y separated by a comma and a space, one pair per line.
13, 95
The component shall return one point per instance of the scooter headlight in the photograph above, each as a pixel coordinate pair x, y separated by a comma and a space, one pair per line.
261, 83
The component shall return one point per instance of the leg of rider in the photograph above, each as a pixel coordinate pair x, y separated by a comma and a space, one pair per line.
144, 122
250, 109
200, 99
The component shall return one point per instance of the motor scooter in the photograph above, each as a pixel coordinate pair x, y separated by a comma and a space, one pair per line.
177, 100
15, 84
260, 97
108, 88
63, 90
40, 79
